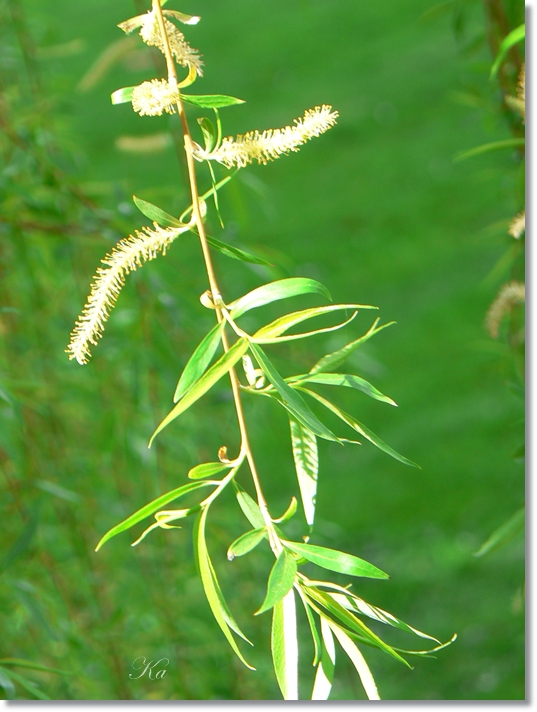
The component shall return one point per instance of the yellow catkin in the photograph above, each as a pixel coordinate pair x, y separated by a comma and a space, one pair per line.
154, 97
184, 54
272, 143
518, 225
129, 254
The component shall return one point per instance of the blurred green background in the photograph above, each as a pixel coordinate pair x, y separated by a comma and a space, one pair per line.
380, 213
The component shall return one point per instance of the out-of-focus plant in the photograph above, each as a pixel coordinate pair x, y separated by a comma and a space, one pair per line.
334, 612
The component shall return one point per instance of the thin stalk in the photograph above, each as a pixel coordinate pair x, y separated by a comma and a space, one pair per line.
217, 298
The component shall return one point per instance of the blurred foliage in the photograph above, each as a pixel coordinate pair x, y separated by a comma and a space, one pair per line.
385, 218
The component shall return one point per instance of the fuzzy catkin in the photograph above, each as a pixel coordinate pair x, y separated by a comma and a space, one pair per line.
271, 143
129, 254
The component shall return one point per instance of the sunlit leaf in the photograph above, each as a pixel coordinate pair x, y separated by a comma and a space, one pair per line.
205, 383
182, 17
357, 660
151, 508
294, 403
284, 646
281, 289
343, 379
514, 37
283, 323
360, 428
336, 560
235, 253
280, 582
246, 542
504, 534
210, 585
306, 457
209, 133
208, 469
249, 508
313, 628
122, 96
211, 101
324, 676
199, 361
334, 359
304, 334
289, 512
156, 214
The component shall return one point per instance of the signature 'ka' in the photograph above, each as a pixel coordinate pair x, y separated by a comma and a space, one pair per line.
334, 613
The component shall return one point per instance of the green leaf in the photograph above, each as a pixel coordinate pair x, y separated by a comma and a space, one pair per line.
283, 323
343, 379
334, 359
324, 676
313, 628
284, 646
289, 512
151, 508
273, 291
294, 403
7, 685
208, 469
211, 101
249, 507
122, 96
235, 253
182, 17
246, 542
357, 660
208, 194
155, 213
205, 383
304, 334
487, 147
280, 582
211, 588
199, 361
351, 602
306, 457
336, 560
514, 37
18, 662
209, 133
504, 534
28, 686
354, 624
360, 428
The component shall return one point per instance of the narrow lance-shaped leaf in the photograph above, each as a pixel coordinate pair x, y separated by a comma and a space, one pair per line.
284, 645
208, 469
504, 534
235, 253
283, 323
336, 560
209, 133
208, 194
306, 457
334, 359
360, 428
249, 508
155, 213
313, 627
514, 37
211, 101
289, 512
199, 361
357, 660
280, 582
209, 585
294, 403
343, 379
274, 291
325, 670
246, 542
303, 334
206, 382
151, 508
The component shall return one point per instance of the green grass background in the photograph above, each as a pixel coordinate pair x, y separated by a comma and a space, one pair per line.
378, 211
